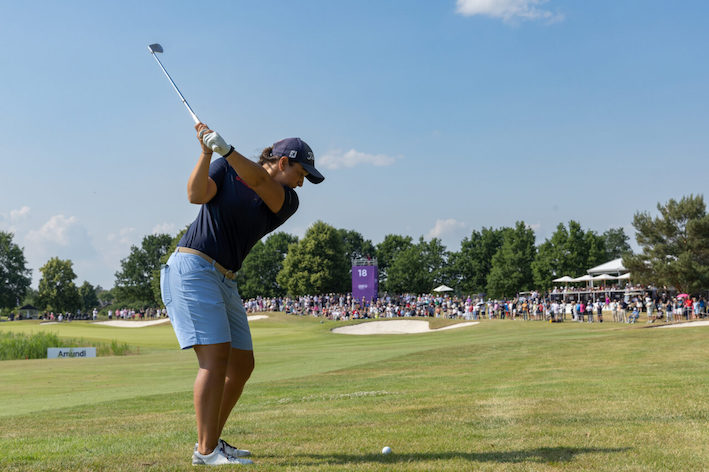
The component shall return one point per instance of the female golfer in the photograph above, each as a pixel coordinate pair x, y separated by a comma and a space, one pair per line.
241, 201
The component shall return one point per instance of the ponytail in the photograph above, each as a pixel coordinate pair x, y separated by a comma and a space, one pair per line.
266, 156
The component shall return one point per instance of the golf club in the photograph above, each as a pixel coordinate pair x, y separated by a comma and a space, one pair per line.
153, 48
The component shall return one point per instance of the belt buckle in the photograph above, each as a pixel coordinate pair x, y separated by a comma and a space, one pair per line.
229, 274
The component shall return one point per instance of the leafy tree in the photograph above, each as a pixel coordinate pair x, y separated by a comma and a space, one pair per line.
386, 252
551, 259
30, 297
418, 268
616, 243
573, 251
260, 269
512, 264
576, 250
89, 299
406, 273
57, 291
105, 297
471, 265
316, 263
436, 259
356, 246
675, 246
596, 245
15, 277
135, 279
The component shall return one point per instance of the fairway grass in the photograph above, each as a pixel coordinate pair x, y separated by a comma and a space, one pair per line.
499, 396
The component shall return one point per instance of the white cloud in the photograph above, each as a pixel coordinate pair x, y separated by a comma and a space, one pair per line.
534, 226
124, 236
508, 10
19, 214
55, 232
338, 159
62, 237
444, 227
165, 228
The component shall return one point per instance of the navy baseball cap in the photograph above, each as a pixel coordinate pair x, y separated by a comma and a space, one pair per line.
298, 151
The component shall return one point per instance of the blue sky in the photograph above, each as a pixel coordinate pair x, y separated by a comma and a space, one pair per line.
428, 118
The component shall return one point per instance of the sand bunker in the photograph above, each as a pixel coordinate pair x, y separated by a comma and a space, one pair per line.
132, 324
690, 324
396, 327
257, 317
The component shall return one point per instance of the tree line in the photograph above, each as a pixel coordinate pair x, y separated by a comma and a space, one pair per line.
497, 262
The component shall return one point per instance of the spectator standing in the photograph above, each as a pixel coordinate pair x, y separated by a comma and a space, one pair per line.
649, 308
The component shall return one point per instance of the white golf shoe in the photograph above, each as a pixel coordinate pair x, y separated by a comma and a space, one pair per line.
217, 457
229, 449
232, 451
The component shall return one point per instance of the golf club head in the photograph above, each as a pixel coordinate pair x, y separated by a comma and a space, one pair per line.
153, 48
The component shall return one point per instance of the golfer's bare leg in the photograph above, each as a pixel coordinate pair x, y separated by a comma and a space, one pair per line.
208, 390
241, 364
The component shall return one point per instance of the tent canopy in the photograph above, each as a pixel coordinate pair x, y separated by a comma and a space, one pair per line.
611, 267
443, 288
583, 278
605, 277
624, 276
565, 278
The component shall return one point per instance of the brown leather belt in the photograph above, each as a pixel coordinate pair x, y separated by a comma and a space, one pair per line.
229, 274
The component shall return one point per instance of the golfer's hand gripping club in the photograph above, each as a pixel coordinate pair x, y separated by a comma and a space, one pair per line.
214, 141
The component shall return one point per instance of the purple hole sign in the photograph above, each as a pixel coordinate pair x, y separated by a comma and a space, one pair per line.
365, 282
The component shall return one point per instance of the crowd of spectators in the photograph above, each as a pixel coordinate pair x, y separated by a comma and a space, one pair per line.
598, 305
121, 314
142, 314
531, 306
601, 289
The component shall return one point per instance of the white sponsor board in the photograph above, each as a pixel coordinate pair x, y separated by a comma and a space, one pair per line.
70, 352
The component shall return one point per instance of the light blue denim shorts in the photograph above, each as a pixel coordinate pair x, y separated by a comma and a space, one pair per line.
204, 307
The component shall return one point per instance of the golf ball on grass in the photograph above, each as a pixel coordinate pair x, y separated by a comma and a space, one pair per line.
386, 450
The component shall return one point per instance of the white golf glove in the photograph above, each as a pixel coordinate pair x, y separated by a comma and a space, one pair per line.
216, 143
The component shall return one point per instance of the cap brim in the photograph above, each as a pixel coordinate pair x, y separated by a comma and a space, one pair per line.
313, 175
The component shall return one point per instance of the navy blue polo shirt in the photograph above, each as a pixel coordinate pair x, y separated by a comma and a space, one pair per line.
229, 225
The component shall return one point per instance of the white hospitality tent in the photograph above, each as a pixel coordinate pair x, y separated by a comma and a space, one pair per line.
565, 278
443, 288
611, 270
611, 267
583, 278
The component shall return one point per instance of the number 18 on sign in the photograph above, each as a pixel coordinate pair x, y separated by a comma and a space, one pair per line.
365, 282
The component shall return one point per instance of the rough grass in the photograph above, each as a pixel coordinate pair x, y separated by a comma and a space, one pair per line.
499, 396
34, 346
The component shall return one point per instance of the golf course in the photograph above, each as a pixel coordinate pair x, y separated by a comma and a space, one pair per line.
500, 395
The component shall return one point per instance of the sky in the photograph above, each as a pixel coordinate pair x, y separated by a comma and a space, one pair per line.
427, 118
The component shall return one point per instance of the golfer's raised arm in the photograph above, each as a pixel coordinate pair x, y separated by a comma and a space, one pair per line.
200, 187
260, 181
251, 173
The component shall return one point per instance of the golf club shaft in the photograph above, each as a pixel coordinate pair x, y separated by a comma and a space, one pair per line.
194, 116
